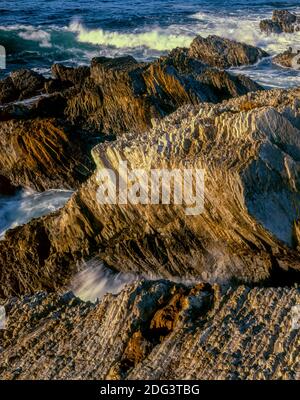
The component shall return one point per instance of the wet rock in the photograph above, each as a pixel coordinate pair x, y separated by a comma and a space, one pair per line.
288, 59
224, 53
44, 153
123, 95
282, 21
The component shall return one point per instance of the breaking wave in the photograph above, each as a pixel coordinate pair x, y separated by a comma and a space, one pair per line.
95, 280
18, 209
158, 39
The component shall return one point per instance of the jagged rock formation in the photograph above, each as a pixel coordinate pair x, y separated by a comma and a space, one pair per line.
20, 85
249, 148
122, 95
224, 53
44, 153
288, 59
154, 330
46, 139
282, 21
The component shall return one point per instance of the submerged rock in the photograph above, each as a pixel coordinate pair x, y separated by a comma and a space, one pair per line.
154, 330
249, 148
282, 21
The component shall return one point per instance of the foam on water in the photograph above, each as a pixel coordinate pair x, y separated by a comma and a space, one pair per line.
146, 37
157, 39
95, 280
27, 204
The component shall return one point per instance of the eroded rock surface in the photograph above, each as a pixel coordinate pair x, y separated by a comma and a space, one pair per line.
289, 59
224, 53
154, 330
48, 126
249, 148
282, 21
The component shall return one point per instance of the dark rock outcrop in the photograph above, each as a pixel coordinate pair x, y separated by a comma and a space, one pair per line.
20, 85
224, 53
154, 330
282, 21
6, 188
248, 231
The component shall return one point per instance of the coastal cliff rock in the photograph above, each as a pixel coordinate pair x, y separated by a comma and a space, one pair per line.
43, 153
47, 127
154, 330
288, 59
282, 21
224, 53
249, 149
123, 95
21, 84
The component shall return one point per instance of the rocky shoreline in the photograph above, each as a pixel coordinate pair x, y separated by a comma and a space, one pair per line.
182, 110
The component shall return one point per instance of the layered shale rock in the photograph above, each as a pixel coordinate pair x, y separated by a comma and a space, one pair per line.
249, 149
123, 95
224, 53
288, 59
282, 21
154, 330
43, 153
47, 138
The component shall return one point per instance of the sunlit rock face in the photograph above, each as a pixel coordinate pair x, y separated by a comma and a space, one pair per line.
249, 149
282, 21
154, 330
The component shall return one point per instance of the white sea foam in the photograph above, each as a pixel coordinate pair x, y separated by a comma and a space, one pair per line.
244, 29
27, 204
94, 281
157, 39
43, 37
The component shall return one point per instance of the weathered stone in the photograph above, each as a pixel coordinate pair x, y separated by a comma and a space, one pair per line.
288, 59
242, 333
224, 53
249, 148
282, 21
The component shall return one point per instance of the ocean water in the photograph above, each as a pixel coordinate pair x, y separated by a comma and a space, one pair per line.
39, 33
24, 206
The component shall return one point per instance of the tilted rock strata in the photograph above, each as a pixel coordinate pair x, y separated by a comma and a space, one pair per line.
154, 330
123, 95
250, 150
282, 21
224, 53
44, 153
113, 96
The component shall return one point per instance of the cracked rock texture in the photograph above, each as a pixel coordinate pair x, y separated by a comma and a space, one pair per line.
249, 148
154, 330
282, 21
48, 127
